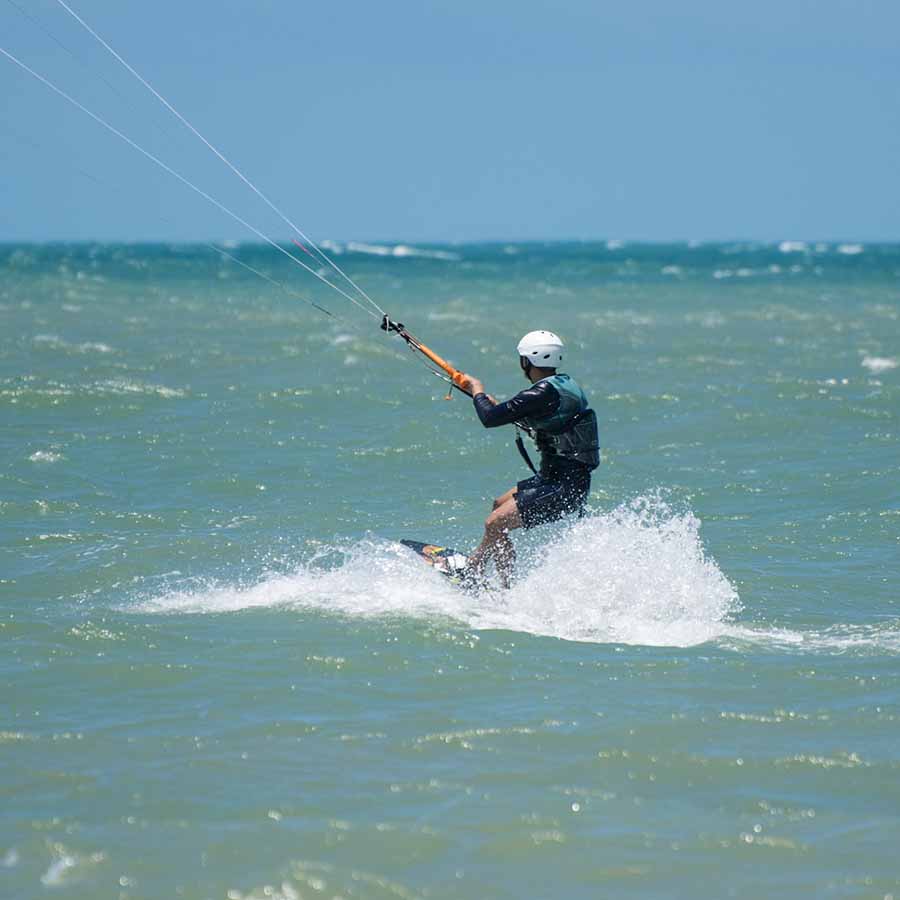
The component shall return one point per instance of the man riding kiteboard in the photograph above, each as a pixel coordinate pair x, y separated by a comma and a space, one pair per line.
556, 411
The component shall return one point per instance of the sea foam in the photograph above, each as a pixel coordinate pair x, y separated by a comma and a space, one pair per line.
878, 364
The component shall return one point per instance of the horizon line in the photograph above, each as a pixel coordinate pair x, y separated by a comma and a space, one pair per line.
611, 243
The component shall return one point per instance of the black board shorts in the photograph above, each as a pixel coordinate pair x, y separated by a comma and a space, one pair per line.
541, 500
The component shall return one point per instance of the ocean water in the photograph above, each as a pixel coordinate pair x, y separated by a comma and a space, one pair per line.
222, 677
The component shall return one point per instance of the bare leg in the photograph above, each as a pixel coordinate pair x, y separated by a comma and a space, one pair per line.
504, 497
504, 557
485, 549
496, 542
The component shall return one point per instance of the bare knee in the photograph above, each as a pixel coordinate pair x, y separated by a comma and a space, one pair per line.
499, 501
503, 519
495, 524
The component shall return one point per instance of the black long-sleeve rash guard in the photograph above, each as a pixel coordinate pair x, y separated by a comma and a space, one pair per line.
541, 399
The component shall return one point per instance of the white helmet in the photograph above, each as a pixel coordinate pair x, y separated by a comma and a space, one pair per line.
543, 349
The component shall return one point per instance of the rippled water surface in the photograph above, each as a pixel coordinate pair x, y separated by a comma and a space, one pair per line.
223, 677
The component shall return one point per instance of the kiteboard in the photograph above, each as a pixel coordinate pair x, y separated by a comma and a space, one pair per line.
446, 560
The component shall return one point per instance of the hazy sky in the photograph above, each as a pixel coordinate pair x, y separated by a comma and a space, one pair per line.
462, 120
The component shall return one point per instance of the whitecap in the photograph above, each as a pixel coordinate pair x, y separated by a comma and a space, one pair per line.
45, 456
55, 342
122, 386
401, 251
50, 340
836, 639
94, 347
878, 364
710, 319
372, 249
404, 250
56, 872
68, 865
851, 249
793, 247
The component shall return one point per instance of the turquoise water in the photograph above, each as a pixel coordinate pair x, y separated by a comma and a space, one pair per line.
222, 677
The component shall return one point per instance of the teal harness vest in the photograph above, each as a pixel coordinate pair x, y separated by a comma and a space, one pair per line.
568, 435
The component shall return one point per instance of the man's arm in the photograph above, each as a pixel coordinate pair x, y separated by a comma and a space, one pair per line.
541, 399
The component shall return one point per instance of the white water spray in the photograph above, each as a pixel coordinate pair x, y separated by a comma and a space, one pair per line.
636, 575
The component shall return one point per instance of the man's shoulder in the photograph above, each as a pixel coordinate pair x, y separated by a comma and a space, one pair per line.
567, 382
543, 388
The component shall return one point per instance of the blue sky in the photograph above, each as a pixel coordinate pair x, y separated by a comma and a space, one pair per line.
433, 120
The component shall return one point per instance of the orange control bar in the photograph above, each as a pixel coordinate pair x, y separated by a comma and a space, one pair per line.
439, 361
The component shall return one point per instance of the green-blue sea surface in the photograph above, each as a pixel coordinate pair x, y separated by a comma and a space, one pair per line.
222, 677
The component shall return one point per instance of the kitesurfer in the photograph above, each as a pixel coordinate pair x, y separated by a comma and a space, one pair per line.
556, 410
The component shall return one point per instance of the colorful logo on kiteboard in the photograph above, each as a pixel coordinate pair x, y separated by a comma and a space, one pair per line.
432, 550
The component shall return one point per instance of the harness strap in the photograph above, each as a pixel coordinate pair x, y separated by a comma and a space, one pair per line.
520, 446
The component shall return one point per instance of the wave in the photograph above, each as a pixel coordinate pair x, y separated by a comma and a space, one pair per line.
55, 342
834, 640
26, 389
45, 456
878, 364
401, 251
